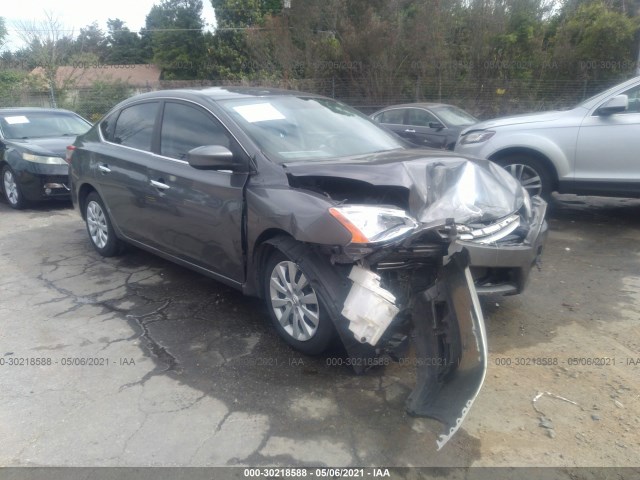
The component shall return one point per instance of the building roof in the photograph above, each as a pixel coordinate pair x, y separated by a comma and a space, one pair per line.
136, 75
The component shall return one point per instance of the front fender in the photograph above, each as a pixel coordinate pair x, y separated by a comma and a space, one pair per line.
560, 156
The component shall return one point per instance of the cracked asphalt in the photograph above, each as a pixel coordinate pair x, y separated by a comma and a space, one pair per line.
134, 361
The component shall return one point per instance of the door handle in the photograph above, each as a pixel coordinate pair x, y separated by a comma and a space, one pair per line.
409, 130
104, 168
159, 185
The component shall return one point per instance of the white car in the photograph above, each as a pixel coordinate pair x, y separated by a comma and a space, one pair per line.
591, 149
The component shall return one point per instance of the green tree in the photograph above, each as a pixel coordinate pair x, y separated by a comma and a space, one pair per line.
177, 41
244, 13
90, 40
122, 46
602, 42
11, 87
100, 97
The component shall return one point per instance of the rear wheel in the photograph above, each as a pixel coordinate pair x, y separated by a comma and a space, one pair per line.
11, 189
531, 172
294, 306
99, 227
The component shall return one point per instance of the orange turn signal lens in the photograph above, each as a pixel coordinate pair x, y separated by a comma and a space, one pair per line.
356, 235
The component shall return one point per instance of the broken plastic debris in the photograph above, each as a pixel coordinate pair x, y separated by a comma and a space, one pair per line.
368, 307
552, 395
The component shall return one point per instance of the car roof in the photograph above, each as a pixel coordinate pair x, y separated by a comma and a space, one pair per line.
224, 93
14, 110
416, 105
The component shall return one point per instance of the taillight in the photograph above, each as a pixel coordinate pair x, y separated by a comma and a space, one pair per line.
69, 154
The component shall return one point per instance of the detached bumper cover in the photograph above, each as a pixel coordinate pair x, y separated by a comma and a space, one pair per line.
448, 398
447, 383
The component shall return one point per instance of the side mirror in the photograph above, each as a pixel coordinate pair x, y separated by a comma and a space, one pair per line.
617, 104
214, 157
436, 125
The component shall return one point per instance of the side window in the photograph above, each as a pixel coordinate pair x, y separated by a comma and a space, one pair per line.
634, 99
420, 118
134, 127
185, 127
107, 126
392, 116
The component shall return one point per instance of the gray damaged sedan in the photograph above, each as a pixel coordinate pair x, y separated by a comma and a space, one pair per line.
345, 232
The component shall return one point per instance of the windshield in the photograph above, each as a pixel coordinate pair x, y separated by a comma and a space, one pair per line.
290, 129
23, 125
455, 117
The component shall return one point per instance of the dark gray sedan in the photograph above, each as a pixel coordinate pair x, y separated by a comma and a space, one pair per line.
345, 232
434, 125
32, 153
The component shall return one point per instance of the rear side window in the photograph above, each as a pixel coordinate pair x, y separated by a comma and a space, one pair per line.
134, 127
392, 116
185, 127
107, 126
420, 118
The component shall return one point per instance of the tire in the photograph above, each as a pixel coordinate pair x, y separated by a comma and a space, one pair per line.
99, 227
531, 172
294, 307
12, 192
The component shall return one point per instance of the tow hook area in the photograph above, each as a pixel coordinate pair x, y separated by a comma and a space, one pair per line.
451, 348
368, 307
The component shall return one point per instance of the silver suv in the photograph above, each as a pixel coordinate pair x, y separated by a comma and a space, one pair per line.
591, 149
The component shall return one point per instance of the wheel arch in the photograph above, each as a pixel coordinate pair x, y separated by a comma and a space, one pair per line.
83, 192
530, 152
257, 258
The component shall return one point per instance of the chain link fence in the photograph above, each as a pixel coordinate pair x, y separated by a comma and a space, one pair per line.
485, 99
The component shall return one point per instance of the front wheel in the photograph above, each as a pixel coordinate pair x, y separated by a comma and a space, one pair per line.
99, 227
531, 172
11, 189
294, 306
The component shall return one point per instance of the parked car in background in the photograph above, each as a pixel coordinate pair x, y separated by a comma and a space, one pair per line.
435, 125
591, 149
341, 229
33, 145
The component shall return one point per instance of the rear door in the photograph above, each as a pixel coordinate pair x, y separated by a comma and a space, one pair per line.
197, 215
120, 166
393, 120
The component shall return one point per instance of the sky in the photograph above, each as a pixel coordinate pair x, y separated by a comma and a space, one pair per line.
132, 12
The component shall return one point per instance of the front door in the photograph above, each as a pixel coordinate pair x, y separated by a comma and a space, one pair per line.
608, 149
197, 215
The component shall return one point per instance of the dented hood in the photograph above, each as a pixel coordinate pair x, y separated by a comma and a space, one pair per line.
438, 185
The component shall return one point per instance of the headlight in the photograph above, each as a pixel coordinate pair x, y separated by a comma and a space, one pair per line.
371, 224
29, 157
477, 137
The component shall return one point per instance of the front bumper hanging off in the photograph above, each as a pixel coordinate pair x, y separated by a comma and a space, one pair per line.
447, 394
450, 368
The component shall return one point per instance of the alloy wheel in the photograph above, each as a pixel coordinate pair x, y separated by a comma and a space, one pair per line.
294, 302
97, 222
528, 177
11, 188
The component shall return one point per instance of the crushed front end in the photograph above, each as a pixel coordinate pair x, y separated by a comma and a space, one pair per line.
414, 290
415, 230
420, 290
